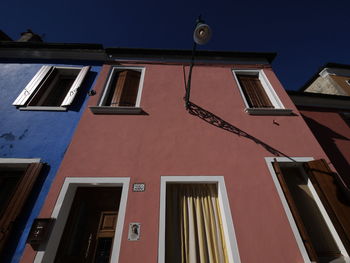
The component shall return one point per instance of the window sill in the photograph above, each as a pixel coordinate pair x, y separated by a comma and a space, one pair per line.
115, 110
43, 108
268, 111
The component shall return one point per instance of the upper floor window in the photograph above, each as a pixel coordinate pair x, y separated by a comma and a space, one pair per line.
52, 88
122, 94
258, 94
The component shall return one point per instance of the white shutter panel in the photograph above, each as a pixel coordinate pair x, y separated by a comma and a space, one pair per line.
32, 86
75, 86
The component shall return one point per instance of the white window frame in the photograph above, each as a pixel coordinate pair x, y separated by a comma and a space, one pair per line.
229, 232
19, 160
300, 243
39, 79
278, 109
62, 209
103, 109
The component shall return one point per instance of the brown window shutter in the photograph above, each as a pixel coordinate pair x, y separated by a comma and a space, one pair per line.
118, 88
131, 88
304, 235
332, 197
15, 204
254, 92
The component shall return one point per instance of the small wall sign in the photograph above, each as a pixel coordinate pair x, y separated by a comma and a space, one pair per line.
134, 231
138, 187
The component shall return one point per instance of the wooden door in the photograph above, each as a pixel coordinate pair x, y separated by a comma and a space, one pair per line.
81, 240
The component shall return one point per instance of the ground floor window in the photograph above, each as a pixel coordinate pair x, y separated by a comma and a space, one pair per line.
17, 179
193, 224
318, 208
196, 223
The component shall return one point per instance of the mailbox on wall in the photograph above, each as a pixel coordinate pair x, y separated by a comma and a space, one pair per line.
40, 232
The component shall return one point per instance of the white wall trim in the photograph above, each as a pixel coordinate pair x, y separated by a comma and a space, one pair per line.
228, 227
43, 108
19, 160
300, 243
62, 207
110, 75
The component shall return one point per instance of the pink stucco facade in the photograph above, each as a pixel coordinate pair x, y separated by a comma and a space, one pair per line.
168, 141
333, 133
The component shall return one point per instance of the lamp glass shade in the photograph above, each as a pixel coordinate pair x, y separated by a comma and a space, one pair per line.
202, 34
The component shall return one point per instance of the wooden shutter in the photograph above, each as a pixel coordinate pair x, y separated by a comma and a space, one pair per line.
302, 230
32, 86
119, 85
15, 204
332, 197
75, 86
126, 88
254, 92
131, 88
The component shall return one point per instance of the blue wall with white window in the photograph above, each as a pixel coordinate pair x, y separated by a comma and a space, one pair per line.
35, 134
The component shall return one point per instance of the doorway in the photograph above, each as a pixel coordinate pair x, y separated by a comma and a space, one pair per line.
90, 228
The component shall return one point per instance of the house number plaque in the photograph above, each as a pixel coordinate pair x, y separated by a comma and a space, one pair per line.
138, 187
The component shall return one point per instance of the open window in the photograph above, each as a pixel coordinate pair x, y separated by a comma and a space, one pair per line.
16, 183
52, 88
122, 93
196, 225
258, 94
319, 209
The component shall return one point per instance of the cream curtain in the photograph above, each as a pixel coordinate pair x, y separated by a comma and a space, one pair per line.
194, 232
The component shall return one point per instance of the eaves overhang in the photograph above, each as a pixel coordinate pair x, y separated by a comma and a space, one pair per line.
174, 55
32, 52
316, 100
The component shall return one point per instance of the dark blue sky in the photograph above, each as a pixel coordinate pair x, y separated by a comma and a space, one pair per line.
305, 34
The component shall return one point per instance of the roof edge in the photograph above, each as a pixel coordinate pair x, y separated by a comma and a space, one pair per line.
184, 53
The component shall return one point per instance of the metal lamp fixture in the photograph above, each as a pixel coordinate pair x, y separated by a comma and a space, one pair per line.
201, 35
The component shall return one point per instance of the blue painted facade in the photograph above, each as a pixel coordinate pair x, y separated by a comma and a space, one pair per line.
35, 134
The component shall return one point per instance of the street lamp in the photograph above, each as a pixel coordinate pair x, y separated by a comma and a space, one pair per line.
201, 35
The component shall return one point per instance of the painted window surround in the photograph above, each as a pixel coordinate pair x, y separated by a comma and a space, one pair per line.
278, 109
102, 109
19, 160
230, 236
62, 207
300, 243
35, 83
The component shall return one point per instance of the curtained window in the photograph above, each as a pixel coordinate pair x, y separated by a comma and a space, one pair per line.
194, 231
